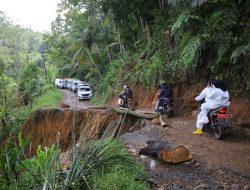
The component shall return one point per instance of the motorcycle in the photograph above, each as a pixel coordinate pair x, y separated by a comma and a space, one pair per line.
167, 107
124, 102
219, 122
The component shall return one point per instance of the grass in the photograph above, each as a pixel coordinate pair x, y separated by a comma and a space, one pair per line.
122, 177
50, 99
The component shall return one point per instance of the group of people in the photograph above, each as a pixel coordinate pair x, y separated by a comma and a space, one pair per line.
213, 96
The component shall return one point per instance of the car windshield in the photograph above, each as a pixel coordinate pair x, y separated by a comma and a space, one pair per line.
83, 86
84, 89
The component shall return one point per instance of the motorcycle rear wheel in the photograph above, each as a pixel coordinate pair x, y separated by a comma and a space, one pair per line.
166, 110
219, 128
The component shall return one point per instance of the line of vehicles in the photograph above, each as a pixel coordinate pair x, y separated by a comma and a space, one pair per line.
82, 88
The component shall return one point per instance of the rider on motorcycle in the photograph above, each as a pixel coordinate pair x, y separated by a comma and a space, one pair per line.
215, 95
125, 96
165, 92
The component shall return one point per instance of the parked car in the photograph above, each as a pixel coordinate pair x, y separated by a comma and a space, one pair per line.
65, 82
84, 93
82, 84
70, 82
74, 85
59, 82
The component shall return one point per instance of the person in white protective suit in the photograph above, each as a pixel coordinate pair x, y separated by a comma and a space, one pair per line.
215, 95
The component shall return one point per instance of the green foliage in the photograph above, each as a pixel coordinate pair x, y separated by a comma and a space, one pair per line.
150, 41
191, 52
10, 162
15, 119
240, 51
18, 49
113, 80
51, 98
120, 177
42, 168
20, 114
30, 83
153, 71
43, 171
182, 21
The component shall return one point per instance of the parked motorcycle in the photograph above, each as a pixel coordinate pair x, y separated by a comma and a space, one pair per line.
219, 122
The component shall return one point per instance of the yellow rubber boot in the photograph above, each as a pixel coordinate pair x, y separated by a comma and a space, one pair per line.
198, 131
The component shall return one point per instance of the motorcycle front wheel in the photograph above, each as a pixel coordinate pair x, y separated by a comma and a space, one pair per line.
219, 128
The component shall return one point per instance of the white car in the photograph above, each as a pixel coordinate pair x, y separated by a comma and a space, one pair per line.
75, 85
59, 82
84, 93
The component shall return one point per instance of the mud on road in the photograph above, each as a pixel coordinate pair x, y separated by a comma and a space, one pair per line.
216, 164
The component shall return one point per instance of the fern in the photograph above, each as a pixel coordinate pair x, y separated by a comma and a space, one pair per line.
222, 19
184, 3
225, 40
239, 51
190, 53
181, 21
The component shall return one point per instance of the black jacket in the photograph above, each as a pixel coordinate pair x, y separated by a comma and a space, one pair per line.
166, 92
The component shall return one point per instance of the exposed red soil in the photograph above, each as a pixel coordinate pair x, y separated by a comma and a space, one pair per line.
46, 126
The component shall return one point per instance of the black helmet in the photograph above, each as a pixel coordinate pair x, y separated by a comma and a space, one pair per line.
220, 84
164, 85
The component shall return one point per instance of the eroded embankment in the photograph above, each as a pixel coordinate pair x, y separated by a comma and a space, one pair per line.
45, 126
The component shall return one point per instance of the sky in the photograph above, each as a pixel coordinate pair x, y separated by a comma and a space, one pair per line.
34, 14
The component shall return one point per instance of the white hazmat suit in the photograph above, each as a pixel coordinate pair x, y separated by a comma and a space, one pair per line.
214, 98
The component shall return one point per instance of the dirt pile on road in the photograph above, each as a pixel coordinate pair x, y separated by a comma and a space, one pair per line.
45, 126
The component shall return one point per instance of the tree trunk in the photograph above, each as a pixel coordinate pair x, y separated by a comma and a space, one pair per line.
44, 67
148, 35
149, 115
134, 113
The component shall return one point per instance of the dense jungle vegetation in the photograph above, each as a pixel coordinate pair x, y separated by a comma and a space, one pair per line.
112, 42
117, 42
21, 73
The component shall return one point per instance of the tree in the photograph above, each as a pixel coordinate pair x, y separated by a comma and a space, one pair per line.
30, 83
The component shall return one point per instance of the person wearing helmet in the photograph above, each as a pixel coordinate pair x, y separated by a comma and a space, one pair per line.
125, 96
165, 92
